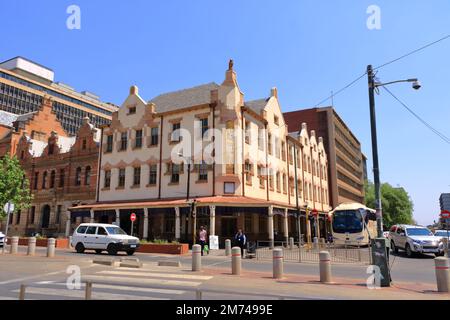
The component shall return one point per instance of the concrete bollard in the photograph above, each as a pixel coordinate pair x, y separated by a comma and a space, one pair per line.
236, 262
51, 247
31, 246
277, 263
325, 266
445, 243
442, 274
228, 247
291, 243
196, 257
14, 245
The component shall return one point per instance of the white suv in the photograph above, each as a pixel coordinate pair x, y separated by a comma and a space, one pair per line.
414, 239
100, 237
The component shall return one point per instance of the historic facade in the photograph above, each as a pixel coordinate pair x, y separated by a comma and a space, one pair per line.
205, 156
62, 170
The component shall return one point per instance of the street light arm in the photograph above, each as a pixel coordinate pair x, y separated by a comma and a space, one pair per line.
379, 84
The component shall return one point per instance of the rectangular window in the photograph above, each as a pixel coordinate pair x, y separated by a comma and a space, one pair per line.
153, 174
203, 172
58, 214
175, 174
109, 143
107, 181
248, 172
36, 178
277, 147
138, 142
154, 136
228, 188
175, 136
276, 120
283, 150
121, 178
284, 184
248, 224
61, 178
269, 143
204, 124
261, 177
271, 181
137, 176
247, 132
131, 110
123, 141
278, 182
261, 139
32, 214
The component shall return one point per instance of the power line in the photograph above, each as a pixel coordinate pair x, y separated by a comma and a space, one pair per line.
435, 131
381, 66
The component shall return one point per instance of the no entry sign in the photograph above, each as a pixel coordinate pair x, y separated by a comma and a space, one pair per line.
445, 214
133, 217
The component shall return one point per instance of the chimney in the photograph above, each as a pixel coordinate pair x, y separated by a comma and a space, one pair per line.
134, 90
152, 107
274, 92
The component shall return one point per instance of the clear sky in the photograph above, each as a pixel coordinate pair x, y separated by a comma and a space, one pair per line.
305, 48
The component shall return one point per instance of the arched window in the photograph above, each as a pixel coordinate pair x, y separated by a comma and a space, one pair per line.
61, 178
78, 177
44, 180
87, 177
52, 179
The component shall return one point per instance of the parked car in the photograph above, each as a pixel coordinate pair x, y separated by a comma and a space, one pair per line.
2, 239
414, 239
101, 237
442, 234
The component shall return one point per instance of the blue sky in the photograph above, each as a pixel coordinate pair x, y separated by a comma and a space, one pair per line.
305, 48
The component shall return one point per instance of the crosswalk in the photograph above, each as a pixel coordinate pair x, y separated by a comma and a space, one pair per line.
120, 284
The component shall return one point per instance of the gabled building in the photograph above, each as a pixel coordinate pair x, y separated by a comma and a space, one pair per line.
205, 156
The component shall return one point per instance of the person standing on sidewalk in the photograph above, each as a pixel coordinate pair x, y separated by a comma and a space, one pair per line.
241, 240
202, 237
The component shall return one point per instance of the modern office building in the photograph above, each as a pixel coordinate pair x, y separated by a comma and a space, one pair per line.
205, 156
346, 167
444, 201
24, 83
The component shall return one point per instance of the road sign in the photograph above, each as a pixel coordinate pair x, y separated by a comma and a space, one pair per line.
9, 207
445, 214
133, 217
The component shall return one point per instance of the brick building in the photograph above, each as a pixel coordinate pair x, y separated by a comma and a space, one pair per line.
347, 165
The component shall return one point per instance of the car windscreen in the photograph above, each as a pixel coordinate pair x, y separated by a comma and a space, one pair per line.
115, 230
441, 233
418, 232
347, 221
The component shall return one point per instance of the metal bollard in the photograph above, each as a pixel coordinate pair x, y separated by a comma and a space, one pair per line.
277, 263
88, 291
236, 262
228, 247
31, 246
198, 295
325, 266
322, 242
22, 292
51, 247
442, 274
316, 243
291, 243
14, 245
196, 257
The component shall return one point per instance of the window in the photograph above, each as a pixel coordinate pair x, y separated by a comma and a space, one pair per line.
278, 182
84, 144
32, 214
121, 178
276, 120
61, 178
154, 136
248, 172
228, 187
131, 110
175, 136
87, 176
78, 177
153, 174
91, 230
44, 180
138, 142
137, 176
284, 183
101, 231
123, 141
203, 172
36, 178
18, 217
52, 179
51, 148
260, 176
277, 147
291, 155
248, 223
283, 150
269, 143
270, 180
22, 155
247, 132
261, 138
175, 174
107, 179
204, 124
109, 143
58, 214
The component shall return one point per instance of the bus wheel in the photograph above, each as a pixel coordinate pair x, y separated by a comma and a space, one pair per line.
393, 247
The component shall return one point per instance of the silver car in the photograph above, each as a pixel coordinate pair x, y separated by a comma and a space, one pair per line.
414, 239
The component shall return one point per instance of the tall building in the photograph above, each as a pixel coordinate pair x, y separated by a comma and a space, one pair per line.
205, 150
24, 83
444, 201
346, 167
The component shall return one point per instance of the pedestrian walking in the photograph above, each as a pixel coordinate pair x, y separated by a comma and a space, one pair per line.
241, 241
202, 237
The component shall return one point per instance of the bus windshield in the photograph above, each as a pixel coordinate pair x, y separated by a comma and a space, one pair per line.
347, 221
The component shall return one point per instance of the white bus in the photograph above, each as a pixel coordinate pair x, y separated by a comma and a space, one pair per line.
353, 224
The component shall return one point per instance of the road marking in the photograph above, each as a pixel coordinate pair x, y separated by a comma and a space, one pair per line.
157, 275
125, 288
80, 294
139, 281
45, 282
216, 263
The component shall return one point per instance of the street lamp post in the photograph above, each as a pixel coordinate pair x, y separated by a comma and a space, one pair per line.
380, 245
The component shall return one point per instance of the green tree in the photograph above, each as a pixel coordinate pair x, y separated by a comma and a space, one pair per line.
396, 203
14, 185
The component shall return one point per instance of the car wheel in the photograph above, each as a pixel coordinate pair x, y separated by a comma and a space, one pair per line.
112, 250
130, 252
440, 254
79, 247
393, 247
98, 251
409, 252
